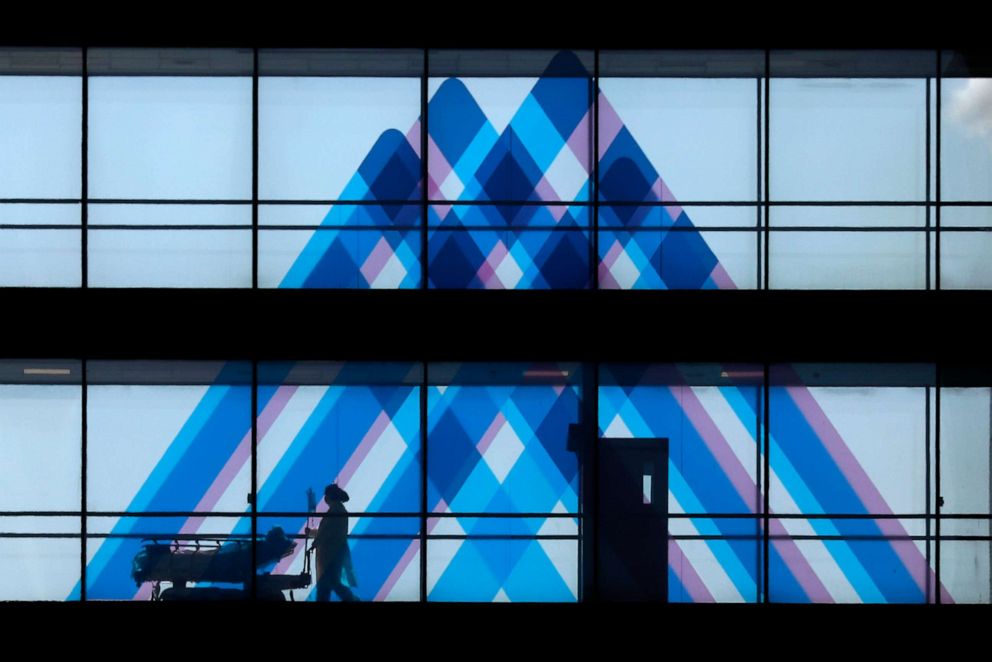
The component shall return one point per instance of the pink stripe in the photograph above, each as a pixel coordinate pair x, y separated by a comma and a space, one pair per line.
799, 566
668, 196
606, 279
441, 211
558, 212
717, 444
239, 458
368, 441
490, 433
487, 270
485, 274
394, 576
433, 190
413, 137
579, 141
674, 211
687, 574
612, 255
722, 278
144, 593
377, 260
860, 482
546, 192
609, 125
439, 166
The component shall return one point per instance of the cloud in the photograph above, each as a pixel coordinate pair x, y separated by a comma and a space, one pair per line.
971, 106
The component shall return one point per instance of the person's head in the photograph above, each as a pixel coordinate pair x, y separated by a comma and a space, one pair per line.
334, 493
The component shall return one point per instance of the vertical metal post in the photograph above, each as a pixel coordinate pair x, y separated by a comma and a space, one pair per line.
423, 483
767, 172
83, 485
84, 177
594, 250
254, 170
766, 509
254, 477
424, 175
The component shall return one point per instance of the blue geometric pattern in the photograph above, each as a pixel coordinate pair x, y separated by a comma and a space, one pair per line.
501, 449
523, 250
543, 155
713, 463
386, 252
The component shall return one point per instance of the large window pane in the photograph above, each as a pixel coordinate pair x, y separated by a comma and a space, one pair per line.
966, 139
700, 132
847, 139
345, 138
170, 137
498, 444
41, 134
40, 435
965, 451
165, 437
168, 436
356, 425
850, 440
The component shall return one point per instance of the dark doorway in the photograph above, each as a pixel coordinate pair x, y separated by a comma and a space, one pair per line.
633, 520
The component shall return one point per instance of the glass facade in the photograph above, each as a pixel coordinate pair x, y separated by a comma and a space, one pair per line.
536, 170
786, 483
413, 465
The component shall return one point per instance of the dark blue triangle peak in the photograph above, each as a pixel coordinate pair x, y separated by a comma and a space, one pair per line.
566, 63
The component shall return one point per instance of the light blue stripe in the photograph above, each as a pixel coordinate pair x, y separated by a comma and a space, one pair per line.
299, 443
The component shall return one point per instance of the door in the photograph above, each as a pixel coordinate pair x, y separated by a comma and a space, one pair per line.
632, 550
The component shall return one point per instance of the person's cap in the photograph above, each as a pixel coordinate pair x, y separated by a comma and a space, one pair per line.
334, 493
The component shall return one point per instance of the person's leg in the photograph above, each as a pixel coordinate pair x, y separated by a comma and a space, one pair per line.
323, 585
334, 575
344, 592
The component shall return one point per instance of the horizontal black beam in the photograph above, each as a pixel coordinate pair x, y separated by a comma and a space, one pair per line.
418, 325
528, 25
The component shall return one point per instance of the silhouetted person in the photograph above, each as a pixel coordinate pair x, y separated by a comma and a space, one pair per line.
331, 543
